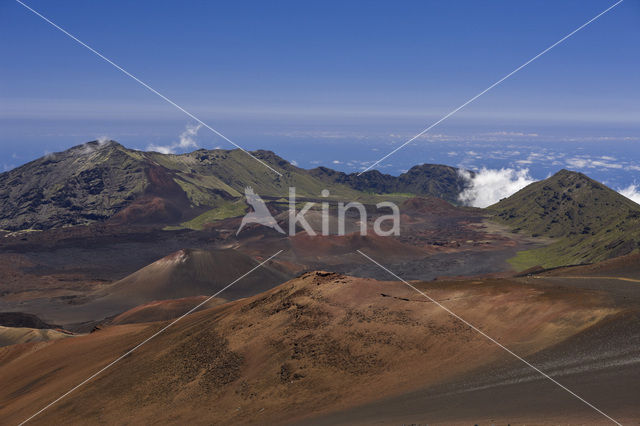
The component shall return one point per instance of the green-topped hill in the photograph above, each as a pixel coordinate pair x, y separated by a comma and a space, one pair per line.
589, 221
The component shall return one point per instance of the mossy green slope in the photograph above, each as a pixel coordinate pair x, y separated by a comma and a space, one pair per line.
236, 170
589, 221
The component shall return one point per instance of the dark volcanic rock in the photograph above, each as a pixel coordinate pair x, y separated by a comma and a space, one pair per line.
21, 319
426, 179
85, 184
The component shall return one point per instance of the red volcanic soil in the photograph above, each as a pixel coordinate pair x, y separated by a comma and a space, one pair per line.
319, 343
148, 210
163, 201
163, 310
188, 273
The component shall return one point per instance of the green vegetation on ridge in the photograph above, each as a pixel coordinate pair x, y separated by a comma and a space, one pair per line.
589, 221
223, 211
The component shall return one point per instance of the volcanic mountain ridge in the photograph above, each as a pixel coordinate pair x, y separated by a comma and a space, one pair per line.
104, 181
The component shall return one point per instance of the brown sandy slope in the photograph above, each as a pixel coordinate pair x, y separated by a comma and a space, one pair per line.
316, 344
163, 310
14, 335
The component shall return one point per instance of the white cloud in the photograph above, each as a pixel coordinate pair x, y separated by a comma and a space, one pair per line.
606, 165
187, 141
88, 149
632, 192
336, 162
160, 149
513, 134
585, 162
578, 163
489, 186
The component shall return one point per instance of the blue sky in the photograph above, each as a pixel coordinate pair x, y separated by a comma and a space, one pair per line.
336, 83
